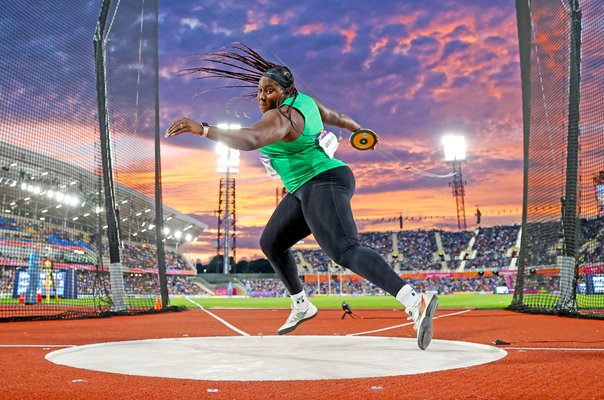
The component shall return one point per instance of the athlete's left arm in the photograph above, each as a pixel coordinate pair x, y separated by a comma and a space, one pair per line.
335, 118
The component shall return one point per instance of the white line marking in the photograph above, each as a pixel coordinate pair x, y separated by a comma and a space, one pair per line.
407, 324
552, 348
239, 331
37, 345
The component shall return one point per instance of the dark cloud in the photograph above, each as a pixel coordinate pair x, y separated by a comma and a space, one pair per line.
484, 57
461, 81
393, 31
425, 45
509, 74
459, 31
453, 47
495, 41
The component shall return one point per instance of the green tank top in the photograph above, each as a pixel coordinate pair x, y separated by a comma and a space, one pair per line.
299, 161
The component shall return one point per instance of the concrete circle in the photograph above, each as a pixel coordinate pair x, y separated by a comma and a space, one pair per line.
275, 358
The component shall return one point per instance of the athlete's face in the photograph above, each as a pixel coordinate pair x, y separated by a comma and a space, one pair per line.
270, 94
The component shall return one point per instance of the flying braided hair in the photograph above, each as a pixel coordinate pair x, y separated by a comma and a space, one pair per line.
241, 63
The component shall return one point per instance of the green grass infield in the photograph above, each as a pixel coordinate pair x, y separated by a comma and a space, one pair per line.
460, 300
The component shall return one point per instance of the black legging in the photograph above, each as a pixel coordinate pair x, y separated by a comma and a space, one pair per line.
322, 207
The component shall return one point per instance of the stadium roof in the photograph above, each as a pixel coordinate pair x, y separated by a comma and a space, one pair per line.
47, 189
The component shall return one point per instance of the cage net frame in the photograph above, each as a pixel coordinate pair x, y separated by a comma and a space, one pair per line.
53, 170
561, 263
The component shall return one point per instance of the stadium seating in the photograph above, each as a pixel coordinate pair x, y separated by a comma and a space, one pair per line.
492, 248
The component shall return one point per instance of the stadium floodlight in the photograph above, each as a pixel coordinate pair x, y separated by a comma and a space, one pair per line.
455, 148
228, 162
228, 159
455, 155
166, 230
188, 237
178, 235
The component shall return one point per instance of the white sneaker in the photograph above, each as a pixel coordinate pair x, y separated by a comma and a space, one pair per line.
422, 316
297, 317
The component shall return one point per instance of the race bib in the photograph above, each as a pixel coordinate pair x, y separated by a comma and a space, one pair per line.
329, 142
269, 168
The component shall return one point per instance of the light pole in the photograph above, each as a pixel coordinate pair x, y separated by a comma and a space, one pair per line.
228, 163
455, 154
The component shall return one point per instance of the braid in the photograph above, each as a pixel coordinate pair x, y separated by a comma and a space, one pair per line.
247, 67
243, 64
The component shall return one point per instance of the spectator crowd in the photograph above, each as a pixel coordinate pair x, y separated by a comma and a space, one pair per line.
414, 250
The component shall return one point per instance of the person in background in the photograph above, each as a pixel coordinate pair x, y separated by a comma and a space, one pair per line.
33, 270
230, 289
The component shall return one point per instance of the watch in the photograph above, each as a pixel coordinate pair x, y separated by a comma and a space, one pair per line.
206, 129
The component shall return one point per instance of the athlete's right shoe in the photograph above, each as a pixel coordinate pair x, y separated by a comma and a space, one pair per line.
422, 315
296, 317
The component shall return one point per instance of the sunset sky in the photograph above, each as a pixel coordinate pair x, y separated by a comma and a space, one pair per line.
411, 71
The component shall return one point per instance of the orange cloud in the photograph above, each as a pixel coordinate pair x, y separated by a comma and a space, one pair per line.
310, 29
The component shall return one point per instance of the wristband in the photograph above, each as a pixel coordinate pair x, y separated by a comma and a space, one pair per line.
206, 129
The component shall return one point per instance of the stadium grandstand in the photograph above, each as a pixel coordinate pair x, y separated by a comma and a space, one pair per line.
60, 217
483, 260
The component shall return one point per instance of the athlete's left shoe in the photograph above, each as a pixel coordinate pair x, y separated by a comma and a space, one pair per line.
297, 317
422, 315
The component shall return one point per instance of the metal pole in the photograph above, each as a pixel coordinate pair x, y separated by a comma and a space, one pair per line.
225, 260
159, 213
463, 196
113, 233
569, 217
523, 19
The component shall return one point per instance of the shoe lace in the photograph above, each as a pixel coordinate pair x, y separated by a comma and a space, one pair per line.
414, 313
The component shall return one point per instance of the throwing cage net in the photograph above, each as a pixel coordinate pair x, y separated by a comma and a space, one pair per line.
81, 214
561, 266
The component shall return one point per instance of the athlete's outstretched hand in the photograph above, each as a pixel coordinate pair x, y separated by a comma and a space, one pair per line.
184, 125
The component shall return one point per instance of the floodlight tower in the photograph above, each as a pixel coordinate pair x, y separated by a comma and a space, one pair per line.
455, 155
228, 163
